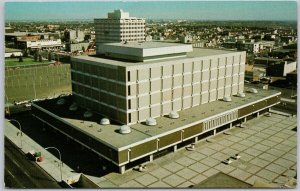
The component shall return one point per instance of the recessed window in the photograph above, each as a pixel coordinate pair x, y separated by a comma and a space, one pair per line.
129, 104
129, 118
128, 76
129, 92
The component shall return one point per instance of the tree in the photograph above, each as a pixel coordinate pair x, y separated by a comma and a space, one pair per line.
35, 56
49, 56
25, 53
20, 59
40, 58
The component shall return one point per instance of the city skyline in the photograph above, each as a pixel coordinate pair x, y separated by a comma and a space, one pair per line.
185, 10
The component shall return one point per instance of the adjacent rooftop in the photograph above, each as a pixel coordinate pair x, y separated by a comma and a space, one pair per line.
109, 134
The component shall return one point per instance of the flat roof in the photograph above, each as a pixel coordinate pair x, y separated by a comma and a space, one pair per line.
141, 50
196, 53
146, 45
108, 134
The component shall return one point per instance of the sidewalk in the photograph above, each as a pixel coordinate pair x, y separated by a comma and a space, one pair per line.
50, 162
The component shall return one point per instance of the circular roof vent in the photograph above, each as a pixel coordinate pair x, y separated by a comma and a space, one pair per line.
241, 94
253, 90
151, 121
61, 101
104, 121
227, 98
173, 115
73, 107
87, 114
124, 129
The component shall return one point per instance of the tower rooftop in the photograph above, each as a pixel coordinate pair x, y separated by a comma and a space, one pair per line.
145, 51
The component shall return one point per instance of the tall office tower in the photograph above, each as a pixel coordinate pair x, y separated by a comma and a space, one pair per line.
119, 27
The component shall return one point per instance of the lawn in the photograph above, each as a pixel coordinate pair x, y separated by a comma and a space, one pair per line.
26, 61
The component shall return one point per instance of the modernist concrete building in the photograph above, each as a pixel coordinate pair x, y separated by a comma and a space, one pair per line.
119, 27
137, 100
154, 79
204, 86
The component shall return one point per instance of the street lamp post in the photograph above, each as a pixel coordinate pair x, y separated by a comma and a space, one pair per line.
20, 127
59, 159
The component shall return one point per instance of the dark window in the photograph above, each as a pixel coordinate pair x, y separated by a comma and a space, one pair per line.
128, 76
129, 92
129, 118
129, 104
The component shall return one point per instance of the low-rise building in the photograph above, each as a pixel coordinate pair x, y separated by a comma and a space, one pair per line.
281, 69
72, 47
9, 52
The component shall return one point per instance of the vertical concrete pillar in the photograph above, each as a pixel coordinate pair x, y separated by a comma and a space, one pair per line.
215, 131
245, 119
175, 148
230, 125
196, 139
151, 158
122, 169
257, 114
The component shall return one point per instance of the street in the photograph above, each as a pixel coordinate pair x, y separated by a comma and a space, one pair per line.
19, 172
73, 154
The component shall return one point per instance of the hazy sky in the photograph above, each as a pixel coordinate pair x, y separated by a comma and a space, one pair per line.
199, 10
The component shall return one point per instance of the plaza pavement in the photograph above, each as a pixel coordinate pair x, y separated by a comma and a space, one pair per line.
267, 146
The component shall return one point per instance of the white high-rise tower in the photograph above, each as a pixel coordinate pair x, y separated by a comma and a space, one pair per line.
119, 27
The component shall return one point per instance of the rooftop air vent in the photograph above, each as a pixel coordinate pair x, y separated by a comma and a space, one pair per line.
87, 114
73, 107
241, 94
173, 115
124, 129
61, 101
151, 122
227, 98
104, 121
253, 90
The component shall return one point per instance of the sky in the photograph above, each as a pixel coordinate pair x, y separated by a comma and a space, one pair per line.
195, 10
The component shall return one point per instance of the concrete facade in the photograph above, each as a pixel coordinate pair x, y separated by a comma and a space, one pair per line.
119, 27
130, 92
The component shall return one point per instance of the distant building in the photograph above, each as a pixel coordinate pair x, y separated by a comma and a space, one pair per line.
74, 36
39, 44
72, 47
12, 53
119, 27
281, 69
199, 44
266, 61
186, 39
250, 47
292, 78
24, 40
